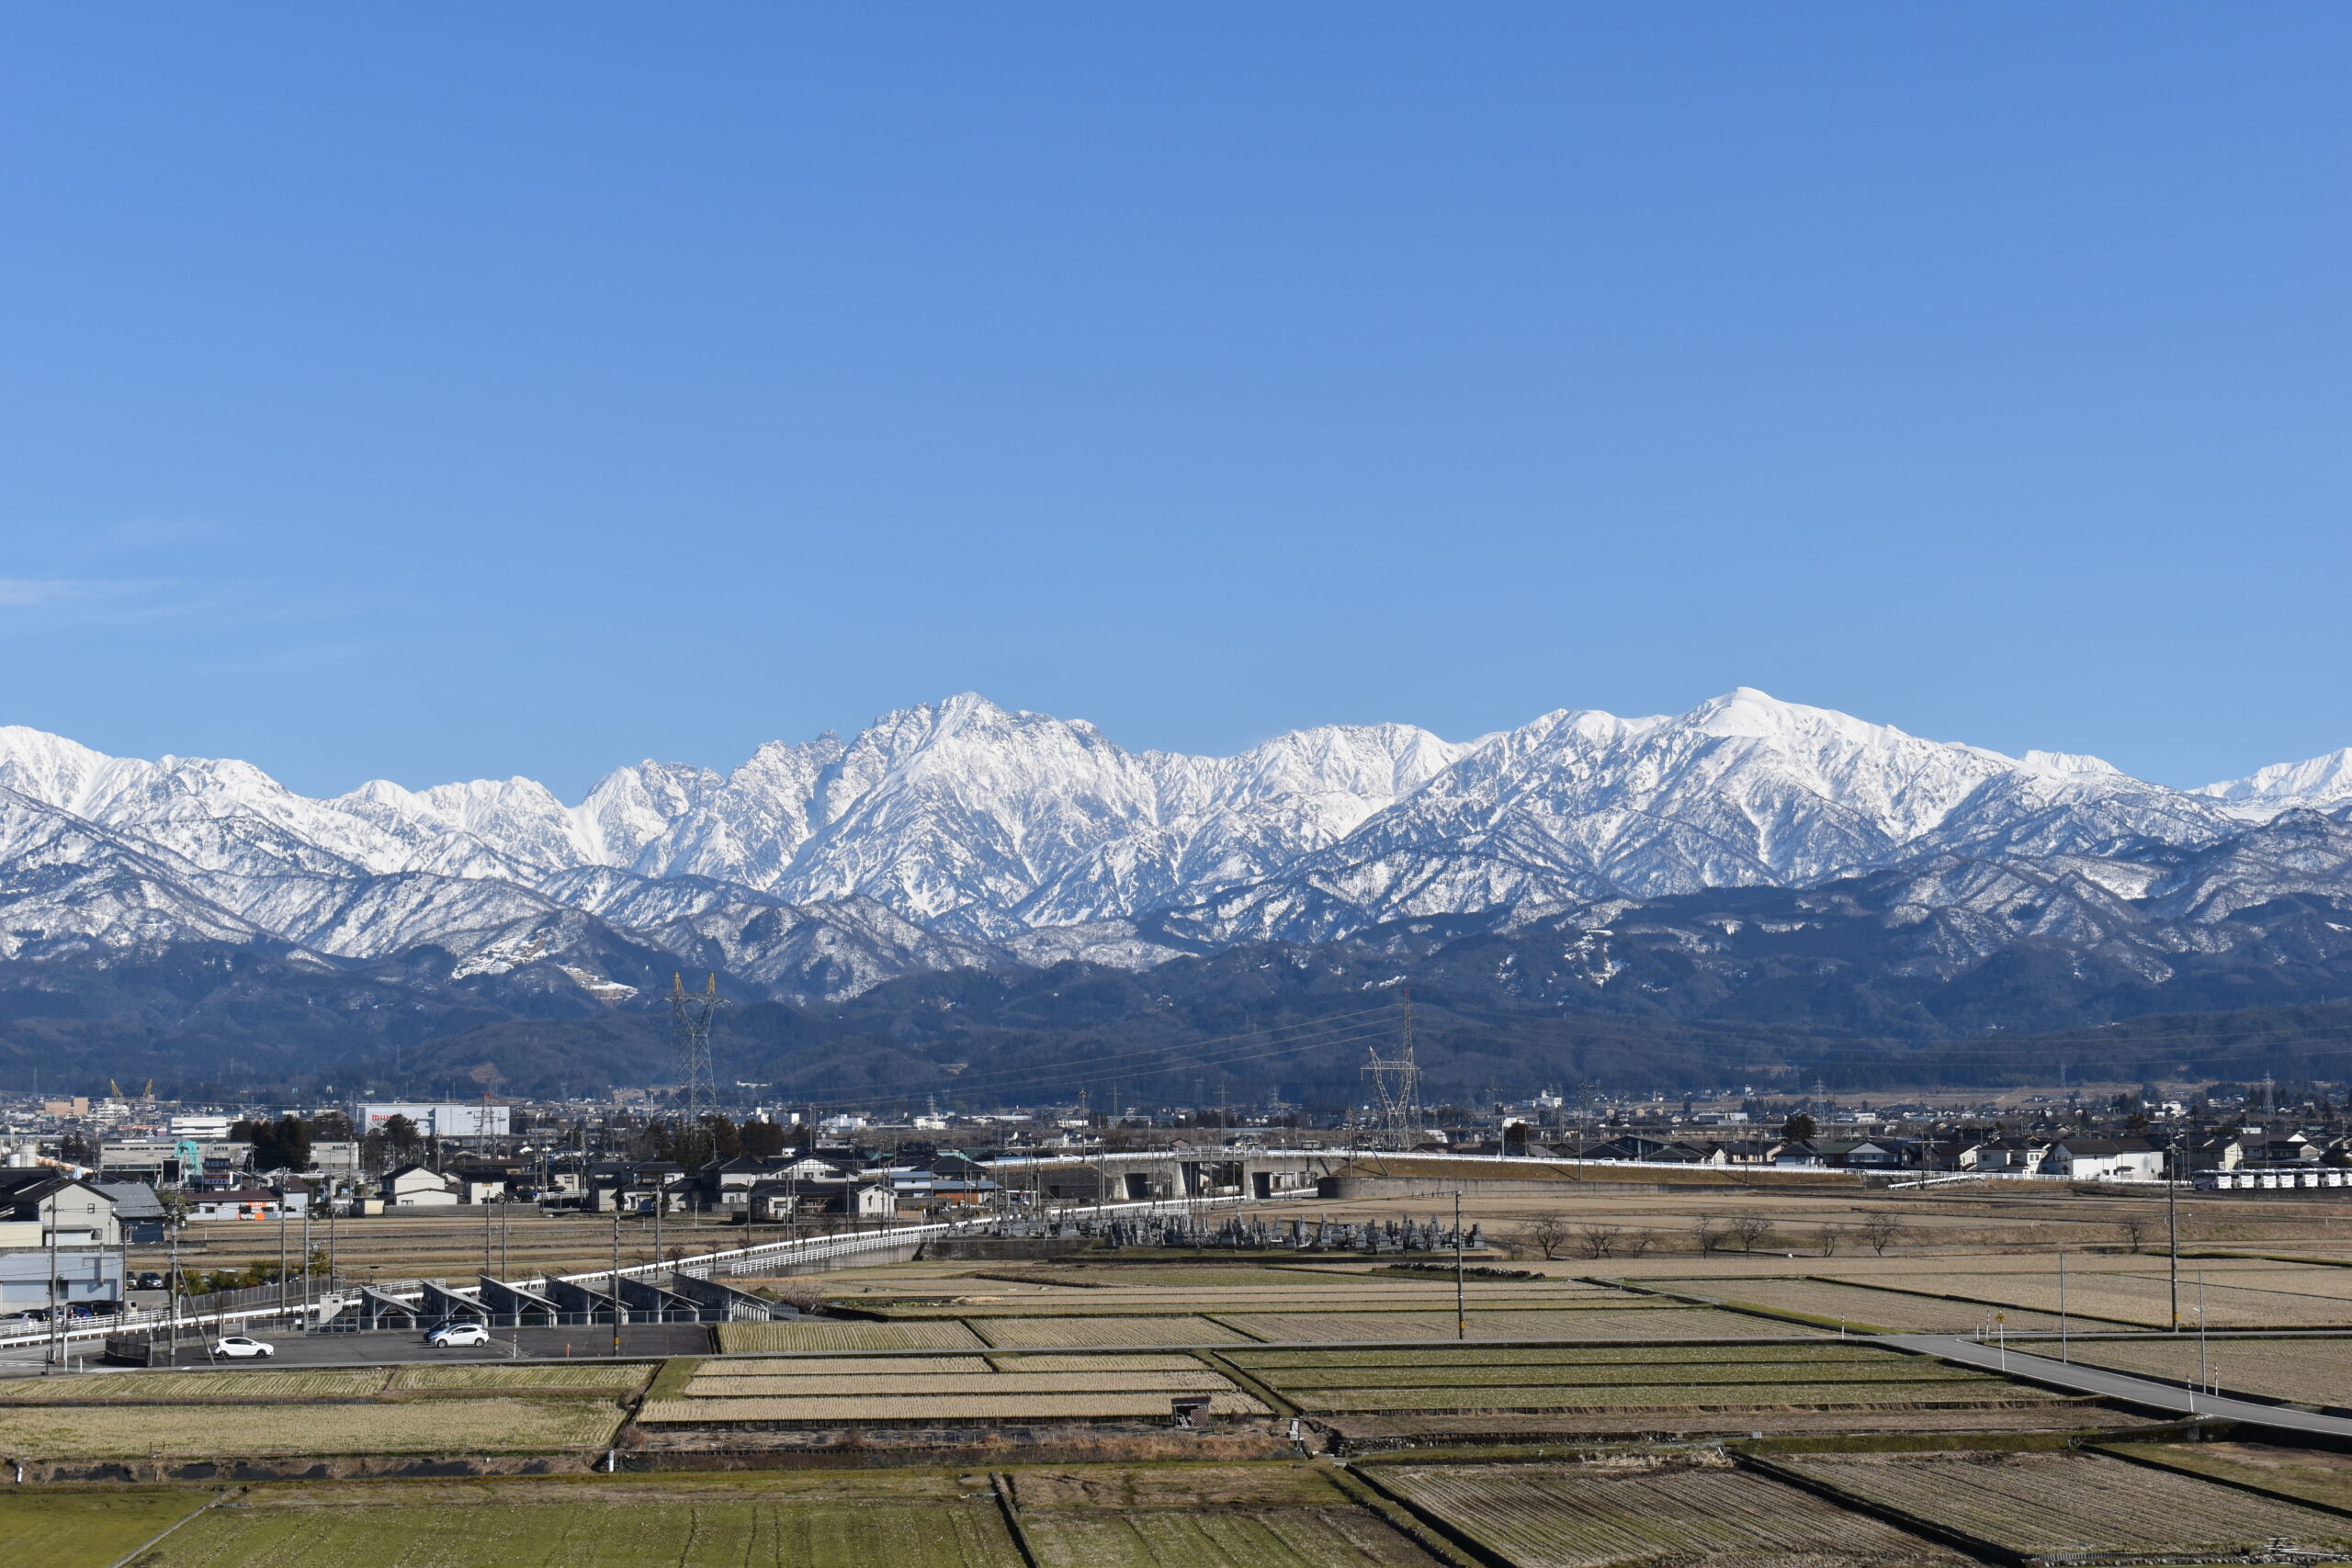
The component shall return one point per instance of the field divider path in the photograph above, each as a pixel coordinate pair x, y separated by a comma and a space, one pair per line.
2146, 1393
1249, 1382
1944, 1534
1417, 1524
1009, 1505
152, 1542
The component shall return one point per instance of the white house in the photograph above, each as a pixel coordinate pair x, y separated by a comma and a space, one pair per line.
413, 1187
2104, 1159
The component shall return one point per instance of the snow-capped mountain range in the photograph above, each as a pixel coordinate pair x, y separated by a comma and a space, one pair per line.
958, 833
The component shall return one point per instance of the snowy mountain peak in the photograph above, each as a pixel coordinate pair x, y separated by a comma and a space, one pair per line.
951, 832
2313, 784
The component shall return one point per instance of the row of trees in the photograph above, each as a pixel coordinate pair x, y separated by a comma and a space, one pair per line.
1554, 1236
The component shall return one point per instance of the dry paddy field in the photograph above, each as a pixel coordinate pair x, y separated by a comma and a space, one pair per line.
1862, 1308
1009, 1388
2303, 1372
1632, 1381
2050, 1505
446, 1409
1274, 1515
1654, 1319
843, 1521
212, 1431
1602, 1515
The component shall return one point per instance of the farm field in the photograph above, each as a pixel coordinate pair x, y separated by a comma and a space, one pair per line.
770, 1337
2059, 1504
1602, 1515
1837, 1377
204, 1431
1278, 1515
286, 1528
1200, 1379
357, 1382
2306, 1371
974, 1406
1662, 1321
613, 1377
2141, 1300
1862, 1305
87, 1529
1050, 1333
2312, 1474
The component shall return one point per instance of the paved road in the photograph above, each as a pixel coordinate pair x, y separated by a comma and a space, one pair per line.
2121, 1385
383, 1349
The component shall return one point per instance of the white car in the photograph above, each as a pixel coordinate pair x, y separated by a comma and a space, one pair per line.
235, 1347
450, 1335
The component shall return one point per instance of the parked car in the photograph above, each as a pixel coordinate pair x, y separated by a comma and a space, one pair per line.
451, 1336
237, 1347
150, 1280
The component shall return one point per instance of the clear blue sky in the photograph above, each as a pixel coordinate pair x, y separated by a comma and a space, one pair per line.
444, 390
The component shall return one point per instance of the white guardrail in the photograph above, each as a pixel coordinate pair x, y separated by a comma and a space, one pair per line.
735, 1260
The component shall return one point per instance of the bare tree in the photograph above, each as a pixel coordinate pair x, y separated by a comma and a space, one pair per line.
1880, 1232
1596, 1241
1828, 1240
1637, 1243
1546, 1233
1709, 1238
2134, 1229
1749, 1229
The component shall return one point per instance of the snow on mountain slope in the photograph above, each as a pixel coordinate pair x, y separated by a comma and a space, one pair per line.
2314, 784
960, 832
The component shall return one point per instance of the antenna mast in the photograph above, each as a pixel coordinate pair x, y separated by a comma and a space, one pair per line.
690, 1014
1396, 1088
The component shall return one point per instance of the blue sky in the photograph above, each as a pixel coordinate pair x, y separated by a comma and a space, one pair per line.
455, 390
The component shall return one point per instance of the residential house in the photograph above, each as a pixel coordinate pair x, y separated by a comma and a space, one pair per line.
415, 1187
235, 1203
2104, 1159
47, 1208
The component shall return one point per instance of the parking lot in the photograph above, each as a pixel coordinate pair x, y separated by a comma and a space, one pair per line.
294, 1349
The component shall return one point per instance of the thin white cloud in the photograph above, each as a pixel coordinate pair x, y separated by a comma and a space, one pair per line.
39, 592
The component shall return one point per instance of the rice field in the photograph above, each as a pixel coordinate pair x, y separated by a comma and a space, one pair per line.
1049, 1362
1338, 1537
847, 1366
1199, 1379
176, 1387
2141, 1300
1050, 1333
1829, 1354
603, 1376
931, 1406
1862, 1305
87, 1529
1672, 1396
1599, 1516
752, 1532
208, 1431
2059, 1504
1660, 1321
2306, 1371
834, 1334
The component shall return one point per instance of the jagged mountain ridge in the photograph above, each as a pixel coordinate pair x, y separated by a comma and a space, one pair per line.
959, 834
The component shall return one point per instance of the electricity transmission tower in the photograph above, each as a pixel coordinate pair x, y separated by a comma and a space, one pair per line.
690, 1015
1396, 1089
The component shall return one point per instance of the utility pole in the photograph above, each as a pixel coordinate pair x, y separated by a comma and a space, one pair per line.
56, 1339
281, 1255
1461, 1311
616, 1271
306, 1261
2172, 1223
173, 1221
